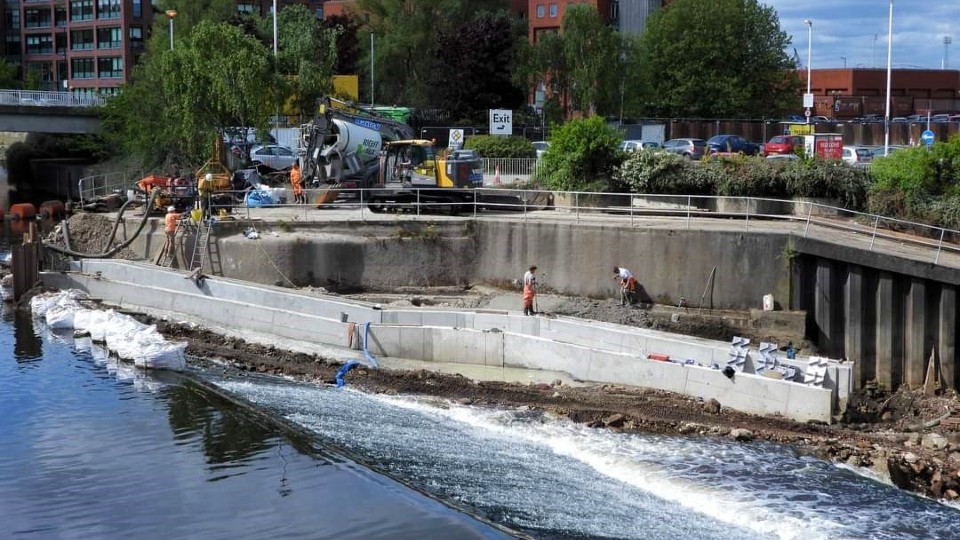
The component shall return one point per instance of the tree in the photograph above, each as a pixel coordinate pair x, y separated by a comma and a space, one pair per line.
189, 15
474, 65
724, 58
584, 66
179, 101
347, 31
583, 155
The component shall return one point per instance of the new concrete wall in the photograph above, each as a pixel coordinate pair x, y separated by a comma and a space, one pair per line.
588, 351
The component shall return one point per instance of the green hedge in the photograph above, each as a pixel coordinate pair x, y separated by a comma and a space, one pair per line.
583, 155
494, 146
657, 172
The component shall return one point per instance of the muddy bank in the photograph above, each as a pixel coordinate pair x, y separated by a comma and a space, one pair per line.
902, 436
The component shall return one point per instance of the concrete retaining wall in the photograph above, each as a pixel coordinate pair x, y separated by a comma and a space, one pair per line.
588, 351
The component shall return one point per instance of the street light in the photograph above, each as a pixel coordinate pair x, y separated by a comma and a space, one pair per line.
171, 13
886, 120
809, 24
947, 40
274, 28
371, 70
844, 58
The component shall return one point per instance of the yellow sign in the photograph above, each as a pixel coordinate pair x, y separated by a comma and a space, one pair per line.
347, 86
801, 129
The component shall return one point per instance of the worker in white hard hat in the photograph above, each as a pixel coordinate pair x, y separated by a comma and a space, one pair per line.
205, 190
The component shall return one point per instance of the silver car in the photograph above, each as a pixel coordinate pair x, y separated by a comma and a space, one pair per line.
273, 156
688, 148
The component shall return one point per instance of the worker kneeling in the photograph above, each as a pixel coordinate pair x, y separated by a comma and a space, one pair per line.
628, 285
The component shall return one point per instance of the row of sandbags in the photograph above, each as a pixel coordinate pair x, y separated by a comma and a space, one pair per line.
123, 335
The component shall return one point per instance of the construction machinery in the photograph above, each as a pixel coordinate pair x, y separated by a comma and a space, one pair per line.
410, 173
341, 146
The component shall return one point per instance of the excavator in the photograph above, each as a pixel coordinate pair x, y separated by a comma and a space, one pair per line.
349, 147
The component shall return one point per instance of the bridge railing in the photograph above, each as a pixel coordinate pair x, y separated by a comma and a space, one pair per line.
101, 185
39, 98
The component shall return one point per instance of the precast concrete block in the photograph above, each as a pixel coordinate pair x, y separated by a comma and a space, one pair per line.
493, 348
445, 319
408, 318
947, 342
471, 346
412, 341
486, 321
631, 370
806, 403
739, 393
383, 340
537, 353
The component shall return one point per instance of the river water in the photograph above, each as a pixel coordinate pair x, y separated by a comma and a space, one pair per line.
94, 449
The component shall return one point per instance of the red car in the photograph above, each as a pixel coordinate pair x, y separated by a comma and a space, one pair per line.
783, 144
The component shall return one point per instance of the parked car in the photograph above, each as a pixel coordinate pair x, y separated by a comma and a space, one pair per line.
821, 119
632, 145
273, 156
783, 157
899, 120
688, 148
541, 147
878, 152
796, 118
783, 144
857, 155
731, 144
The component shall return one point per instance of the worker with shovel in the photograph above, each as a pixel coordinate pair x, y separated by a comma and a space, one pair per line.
628, 285
529, 290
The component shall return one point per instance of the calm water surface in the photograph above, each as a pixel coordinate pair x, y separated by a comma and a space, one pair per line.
92, 449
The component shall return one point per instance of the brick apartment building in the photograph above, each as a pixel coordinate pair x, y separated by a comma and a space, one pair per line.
90, 45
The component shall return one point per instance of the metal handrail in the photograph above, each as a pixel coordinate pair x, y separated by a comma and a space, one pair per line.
42, 98
101, 185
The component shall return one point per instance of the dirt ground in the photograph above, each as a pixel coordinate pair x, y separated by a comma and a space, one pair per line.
911, 438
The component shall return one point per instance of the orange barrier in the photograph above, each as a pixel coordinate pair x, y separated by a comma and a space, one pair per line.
659, 357
20, 226
52, 210
22, 211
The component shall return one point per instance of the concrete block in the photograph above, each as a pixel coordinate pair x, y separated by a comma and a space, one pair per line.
493, 348
411, 344
384, 340
807, 403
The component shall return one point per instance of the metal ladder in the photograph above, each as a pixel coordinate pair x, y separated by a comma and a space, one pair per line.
201, 245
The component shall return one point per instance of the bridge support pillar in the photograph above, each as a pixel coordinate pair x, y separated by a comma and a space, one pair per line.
853, 314
888, 332
915, 353
947, 346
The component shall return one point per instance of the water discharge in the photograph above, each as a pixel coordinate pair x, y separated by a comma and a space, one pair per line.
554, 478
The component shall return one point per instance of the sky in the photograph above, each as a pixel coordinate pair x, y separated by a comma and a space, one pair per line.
855, 32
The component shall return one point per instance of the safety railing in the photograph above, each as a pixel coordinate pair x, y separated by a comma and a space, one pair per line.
38, 98
803, 218
102, 185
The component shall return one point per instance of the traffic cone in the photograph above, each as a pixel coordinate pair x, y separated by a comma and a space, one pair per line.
496, 175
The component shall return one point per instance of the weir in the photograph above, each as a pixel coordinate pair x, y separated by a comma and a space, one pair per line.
885, 307
588, 351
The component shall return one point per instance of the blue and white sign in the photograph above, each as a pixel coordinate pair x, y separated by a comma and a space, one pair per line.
501, 122
927, 137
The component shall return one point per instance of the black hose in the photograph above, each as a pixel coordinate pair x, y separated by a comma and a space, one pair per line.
112, 252
116, 224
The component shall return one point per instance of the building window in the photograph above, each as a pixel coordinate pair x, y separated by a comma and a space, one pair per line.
245, 7
38, 18
81, 10
110, 68
137, 8
13, 19
540, 11
109, 38
43, 69
108, 9
60, 17
82, 68
40, 44
81, 40
553, 10
136, 33
615, 10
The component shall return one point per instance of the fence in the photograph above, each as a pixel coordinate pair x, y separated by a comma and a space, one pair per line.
511, 170
101, 185
37, 98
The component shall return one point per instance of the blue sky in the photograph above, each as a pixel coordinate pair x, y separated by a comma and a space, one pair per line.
857, 30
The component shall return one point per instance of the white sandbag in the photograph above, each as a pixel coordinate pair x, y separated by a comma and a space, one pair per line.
60, 317
99, 353
94, 321
122, 335
40, 304
160, 355
83, 343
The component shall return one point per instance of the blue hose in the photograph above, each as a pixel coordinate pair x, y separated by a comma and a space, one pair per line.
366, 353
343, 371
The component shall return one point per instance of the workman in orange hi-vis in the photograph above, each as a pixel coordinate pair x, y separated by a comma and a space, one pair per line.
529, 290
628, 285
296, 180
170, 227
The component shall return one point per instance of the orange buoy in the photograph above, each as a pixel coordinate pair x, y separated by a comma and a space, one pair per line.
22, 211
52, 210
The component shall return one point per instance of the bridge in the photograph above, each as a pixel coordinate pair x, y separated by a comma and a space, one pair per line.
37, 111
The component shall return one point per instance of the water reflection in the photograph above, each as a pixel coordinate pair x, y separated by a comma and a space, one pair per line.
27, 345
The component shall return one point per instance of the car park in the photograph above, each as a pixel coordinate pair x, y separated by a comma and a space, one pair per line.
541, 147
731, 144
783, 144
857, 155
688, 148
633, 145
273, 156
940, 118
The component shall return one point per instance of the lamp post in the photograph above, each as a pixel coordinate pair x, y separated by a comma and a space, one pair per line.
809, 24
171, 13
371, 70
886, 119
844, 58
274, 28
947, 40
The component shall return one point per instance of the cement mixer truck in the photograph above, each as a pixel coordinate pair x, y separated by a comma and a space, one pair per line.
342, 145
